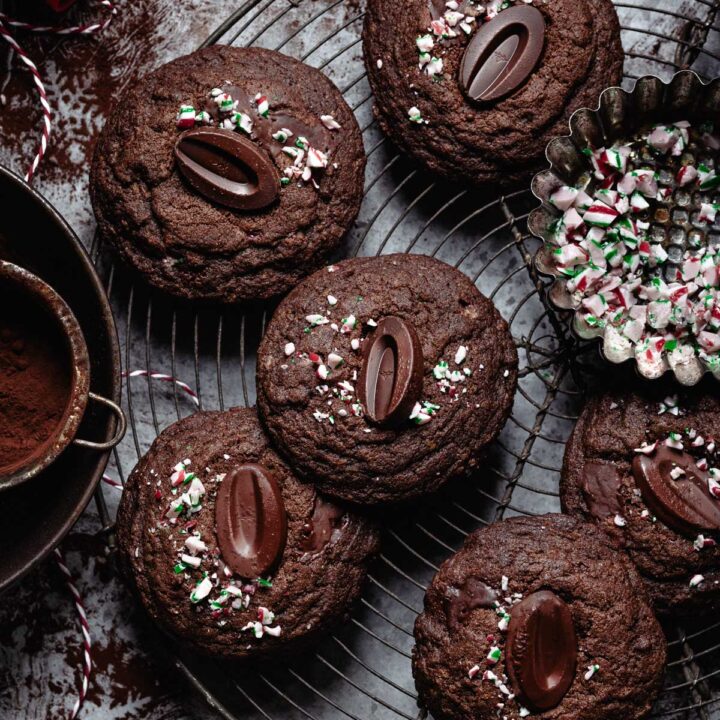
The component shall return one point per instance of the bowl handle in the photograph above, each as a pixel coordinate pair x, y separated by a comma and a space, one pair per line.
122, 426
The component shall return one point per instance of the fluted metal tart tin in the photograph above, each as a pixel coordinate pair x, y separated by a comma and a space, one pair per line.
620, 117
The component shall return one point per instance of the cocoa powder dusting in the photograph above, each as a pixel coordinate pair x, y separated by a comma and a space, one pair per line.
35, 379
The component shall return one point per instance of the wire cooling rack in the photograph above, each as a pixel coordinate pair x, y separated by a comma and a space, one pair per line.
363, 670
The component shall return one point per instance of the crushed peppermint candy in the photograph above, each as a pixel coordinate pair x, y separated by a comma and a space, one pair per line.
591, 671
494, 655
263, 105
637, 248
696, 580
416, 116
201, 590
306, 161
701, 542
460, 19
185, 117
423, 412
199, 566
670, 405
330, 122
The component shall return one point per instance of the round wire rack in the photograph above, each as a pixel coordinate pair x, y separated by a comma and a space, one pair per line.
363, 669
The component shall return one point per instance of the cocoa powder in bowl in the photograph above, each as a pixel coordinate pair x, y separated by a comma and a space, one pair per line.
36, 378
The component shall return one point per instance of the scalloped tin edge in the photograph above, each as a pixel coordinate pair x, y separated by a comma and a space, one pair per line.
618, 115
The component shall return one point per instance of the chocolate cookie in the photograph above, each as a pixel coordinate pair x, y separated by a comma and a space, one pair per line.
228, 174
542, 617
475, 91
380, 378
644, 467
228, 552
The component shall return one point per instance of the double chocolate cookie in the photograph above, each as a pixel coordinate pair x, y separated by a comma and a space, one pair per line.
542, 617
644, 466
475, 91
228, 552
228, 174
380, 378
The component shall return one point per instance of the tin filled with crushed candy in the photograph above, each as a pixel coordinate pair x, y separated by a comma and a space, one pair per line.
630, 221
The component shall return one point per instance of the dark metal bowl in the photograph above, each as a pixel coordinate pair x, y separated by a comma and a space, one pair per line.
40, 512
25, 287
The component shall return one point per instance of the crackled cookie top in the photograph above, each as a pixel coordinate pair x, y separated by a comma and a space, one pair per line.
645, 466
380, 378
227, 550
537, 617
228, 174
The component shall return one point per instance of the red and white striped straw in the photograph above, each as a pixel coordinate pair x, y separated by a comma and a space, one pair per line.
83, 29
84, 627
164, 378
87, 29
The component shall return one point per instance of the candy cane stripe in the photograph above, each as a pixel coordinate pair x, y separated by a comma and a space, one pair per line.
87, 29
164, 378
107, 479
85, 629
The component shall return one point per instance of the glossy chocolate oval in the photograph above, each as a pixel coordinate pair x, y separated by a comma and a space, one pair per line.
226, 168
683, 503
250, 520
391, 376
502, 53
541, 650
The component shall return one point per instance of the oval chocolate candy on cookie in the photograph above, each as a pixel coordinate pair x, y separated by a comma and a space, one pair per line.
227, 168
391, 376
251, 521
676, 490
541, 650
502, 54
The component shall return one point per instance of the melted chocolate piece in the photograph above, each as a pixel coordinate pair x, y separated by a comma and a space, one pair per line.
502, 54
541, 650
601, 483
227, 168
391, 376
321, 528
683, 503
459, 602
250, 520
